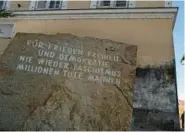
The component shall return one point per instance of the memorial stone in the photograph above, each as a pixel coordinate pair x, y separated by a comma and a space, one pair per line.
64, 82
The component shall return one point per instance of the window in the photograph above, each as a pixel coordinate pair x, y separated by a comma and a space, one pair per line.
50, 4
55, 4
41, 4
121, 3
2, 4
105, 3
112, 3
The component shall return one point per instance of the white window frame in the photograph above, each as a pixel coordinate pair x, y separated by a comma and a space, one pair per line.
96, 4
34, 4
127, 4
6, 4
3, 6
99, 4
47, 5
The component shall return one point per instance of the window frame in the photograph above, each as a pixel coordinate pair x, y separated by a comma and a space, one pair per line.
47, 5
4, 6
112, 4
99, 2
127, 4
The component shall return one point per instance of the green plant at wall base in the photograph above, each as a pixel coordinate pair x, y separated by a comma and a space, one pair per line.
4, 13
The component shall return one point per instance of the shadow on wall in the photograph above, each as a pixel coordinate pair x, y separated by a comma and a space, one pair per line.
155, 88
155, 95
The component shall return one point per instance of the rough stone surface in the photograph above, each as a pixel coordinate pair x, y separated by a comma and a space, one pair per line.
155, 98
33, 101
154, 120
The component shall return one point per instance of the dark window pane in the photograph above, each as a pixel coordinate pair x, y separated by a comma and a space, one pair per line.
121, 3
55, 4
52, 4
58, 4
1, 4
105, 3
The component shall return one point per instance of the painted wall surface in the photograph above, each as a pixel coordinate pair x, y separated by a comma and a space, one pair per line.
150, 3
84, 4
24, 5
78, 4
151, 36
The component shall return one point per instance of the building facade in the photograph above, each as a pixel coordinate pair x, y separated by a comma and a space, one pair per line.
146, 24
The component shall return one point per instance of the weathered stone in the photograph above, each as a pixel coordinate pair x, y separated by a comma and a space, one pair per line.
155, 99
64, 96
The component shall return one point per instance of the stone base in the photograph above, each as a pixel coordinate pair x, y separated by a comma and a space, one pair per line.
150, 120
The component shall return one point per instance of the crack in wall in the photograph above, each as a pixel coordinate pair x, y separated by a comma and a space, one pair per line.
128, 102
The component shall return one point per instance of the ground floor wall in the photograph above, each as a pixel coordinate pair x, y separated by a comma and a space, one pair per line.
155, 96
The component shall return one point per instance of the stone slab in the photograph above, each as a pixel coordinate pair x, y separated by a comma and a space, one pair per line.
65, 82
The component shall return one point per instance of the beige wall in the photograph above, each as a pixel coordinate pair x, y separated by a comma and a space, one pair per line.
83, 4
3, 45
150, 3
24, 5
78, 4
152, 36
